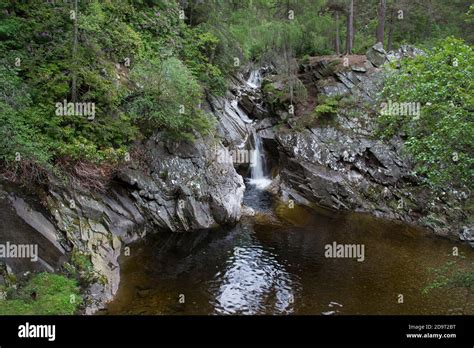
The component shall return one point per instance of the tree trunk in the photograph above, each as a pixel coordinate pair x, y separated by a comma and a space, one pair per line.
74, 58
350, 28
381, 25
337, 40
390, 31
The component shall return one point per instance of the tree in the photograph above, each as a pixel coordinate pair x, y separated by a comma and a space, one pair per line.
336, 8
337, 41
381, 21
390, 28
74, 54
350, 28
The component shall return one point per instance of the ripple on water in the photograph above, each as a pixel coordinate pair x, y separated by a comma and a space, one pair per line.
253, 282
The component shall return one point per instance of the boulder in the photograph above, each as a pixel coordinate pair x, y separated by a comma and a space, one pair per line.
377, 55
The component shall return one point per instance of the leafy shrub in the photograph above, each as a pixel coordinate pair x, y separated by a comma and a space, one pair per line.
168, 97
441, 139
199, 54
328, 107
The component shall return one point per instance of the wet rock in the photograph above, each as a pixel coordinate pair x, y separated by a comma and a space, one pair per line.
248, 103
232, 125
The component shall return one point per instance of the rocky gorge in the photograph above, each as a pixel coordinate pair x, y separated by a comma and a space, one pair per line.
338, 164
341, 163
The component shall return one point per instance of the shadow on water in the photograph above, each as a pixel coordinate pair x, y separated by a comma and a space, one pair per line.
277, 265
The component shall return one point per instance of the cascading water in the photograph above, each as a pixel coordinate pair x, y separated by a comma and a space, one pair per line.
257, 165
255, 79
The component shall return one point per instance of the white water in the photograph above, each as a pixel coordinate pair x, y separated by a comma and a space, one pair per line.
255, 79
257, 166
241, 113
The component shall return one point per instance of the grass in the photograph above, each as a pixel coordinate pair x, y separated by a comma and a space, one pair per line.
44, 294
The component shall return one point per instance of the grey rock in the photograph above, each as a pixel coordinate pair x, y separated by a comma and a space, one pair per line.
37, 221
377, 55
359, 69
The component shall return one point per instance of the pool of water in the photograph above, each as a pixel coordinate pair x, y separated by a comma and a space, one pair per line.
275, 263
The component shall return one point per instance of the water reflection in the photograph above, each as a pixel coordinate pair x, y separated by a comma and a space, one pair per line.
253, 282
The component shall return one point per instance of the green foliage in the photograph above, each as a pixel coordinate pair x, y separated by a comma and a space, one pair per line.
177, 62
47, 62
266, 26
322, 115
114, 42
328, 107
43, 294
441, 139
199, 55
110, 36
81, 268
167, 97
19, 131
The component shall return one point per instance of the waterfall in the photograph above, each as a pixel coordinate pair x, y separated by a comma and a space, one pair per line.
255, 79
257, 165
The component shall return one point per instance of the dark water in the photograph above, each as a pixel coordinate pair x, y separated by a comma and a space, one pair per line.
276, 264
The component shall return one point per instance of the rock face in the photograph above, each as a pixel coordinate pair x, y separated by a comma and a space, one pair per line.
177, 187
191, 187
340, 171
337, 77
341, 164
25, 223
186, 187
232, 126
377, 55
97, 225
